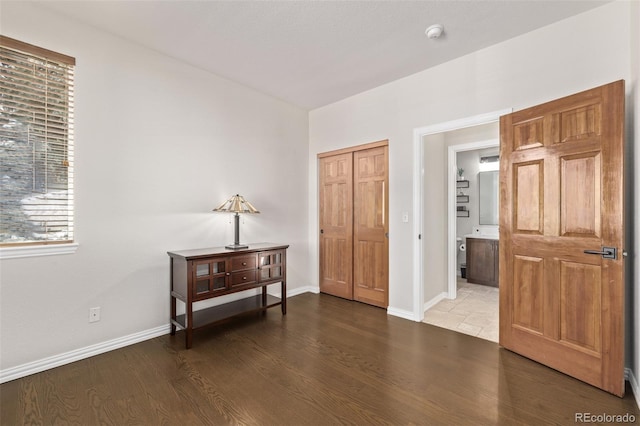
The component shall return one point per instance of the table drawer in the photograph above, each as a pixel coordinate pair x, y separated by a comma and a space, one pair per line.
242, 263
243, 278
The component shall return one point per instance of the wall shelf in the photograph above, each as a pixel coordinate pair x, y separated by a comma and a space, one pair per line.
462, 184
462, 213
462, 198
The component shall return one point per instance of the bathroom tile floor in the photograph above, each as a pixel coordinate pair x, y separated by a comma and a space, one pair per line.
474, 311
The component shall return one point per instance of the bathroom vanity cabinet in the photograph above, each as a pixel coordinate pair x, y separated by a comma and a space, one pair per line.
482, 261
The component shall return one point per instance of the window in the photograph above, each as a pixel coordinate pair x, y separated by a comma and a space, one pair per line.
36, 145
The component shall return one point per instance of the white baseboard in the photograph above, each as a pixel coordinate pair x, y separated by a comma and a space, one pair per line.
431, 303
275, 291
628, 375
409, 314
82, 353
401, 313
305, 289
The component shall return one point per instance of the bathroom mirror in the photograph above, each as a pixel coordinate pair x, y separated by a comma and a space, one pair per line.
488, 191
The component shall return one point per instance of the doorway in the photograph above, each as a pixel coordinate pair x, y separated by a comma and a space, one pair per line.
443, 244
475, 306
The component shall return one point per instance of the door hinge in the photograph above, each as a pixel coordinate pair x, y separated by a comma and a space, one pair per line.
419, 236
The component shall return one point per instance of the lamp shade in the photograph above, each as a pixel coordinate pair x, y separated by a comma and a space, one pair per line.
236, 204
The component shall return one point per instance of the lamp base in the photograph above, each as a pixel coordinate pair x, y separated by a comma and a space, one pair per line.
236, 246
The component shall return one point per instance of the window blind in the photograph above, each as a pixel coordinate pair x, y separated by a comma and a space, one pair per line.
36, 144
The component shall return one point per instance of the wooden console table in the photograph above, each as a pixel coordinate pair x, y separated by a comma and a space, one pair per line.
203, 274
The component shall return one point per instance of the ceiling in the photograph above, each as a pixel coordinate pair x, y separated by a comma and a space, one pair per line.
312, 53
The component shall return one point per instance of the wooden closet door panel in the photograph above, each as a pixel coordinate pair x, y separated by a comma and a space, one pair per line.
371, 225
336, 225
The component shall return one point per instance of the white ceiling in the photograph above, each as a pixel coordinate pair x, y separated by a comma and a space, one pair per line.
312, 53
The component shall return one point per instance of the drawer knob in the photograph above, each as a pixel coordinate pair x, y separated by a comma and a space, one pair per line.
244, 263
244, 278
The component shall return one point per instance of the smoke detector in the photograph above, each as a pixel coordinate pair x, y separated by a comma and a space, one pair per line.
434, 31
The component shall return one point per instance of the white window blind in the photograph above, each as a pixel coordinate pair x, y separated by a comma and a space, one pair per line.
36, 145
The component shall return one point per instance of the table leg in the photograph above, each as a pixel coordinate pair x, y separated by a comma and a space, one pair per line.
188, 331
173, 315
188, 337
284, 298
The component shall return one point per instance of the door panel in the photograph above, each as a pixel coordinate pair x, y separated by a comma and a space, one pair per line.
371, 259
529, 193
336, 225
527, 134
562, 193
580, 306
580, 210
528, 293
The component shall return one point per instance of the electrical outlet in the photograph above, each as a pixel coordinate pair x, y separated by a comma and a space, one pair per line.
94, 314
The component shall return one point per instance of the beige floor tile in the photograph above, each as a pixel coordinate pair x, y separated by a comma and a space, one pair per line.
443, 319
489, 333
482, 319
473, 312
469, 329
445, 305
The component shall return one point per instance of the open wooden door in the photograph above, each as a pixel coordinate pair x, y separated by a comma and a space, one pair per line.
561, 196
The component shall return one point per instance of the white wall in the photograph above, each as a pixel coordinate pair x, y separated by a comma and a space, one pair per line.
555, 61
633, 165
434, 223
158, 145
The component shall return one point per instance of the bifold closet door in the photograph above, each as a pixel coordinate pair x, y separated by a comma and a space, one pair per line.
371, 226
354, 224
336, 225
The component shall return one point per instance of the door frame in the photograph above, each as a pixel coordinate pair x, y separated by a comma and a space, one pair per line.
418, 189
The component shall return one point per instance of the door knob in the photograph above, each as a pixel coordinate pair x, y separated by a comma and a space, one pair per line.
606, 252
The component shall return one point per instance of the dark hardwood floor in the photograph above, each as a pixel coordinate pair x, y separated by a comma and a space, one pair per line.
329, 361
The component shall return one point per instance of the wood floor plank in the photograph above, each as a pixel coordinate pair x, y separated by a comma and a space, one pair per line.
328, 361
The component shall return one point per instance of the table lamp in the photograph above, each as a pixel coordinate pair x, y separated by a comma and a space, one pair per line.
236, 204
